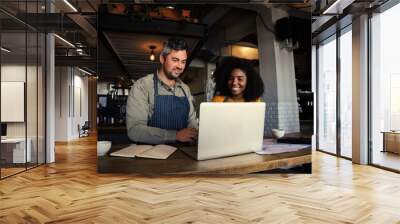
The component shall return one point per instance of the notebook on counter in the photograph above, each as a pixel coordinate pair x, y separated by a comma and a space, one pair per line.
145, 151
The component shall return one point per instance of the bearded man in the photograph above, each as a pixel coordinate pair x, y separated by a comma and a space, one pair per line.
159, 107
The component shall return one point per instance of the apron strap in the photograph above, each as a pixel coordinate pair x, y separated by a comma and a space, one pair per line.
155, 84
184, 93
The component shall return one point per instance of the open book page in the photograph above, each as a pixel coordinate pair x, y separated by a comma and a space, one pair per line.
131, 151
158, 152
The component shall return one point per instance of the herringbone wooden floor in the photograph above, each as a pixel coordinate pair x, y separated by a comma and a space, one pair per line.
71, 191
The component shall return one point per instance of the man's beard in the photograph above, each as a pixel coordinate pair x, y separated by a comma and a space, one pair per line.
169, 75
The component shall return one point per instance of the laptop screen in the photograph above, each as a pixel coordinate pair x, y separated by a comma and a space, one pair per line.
228, 129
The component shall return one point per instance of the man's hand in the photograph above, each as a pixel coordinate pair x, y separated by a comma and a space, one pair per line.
186, 135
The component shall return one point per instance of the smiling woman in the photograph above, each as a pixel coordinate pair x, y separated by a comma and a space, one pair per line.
237, 81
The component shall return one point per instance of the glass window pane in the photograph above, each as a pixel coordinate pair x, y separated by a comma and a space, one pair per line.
327, 96
13, 71
41, 98
346, 94
22, 62
31, 96
385, 114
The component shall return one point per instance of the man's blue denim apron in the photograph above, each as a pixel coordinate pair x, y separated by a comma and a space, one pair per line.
170, 112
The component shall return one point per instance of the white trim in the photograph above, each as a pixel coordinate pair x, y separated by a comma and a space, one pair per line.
70, 5
337, 7
65, 41
5, 50
84, 71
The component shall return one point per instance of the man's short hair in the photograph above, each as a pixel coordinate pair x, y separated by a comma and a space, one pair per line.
177, 44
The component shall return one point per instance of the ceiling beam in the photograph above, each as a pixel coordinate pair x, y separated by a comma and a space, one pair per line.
322, 22
107, 46
330, 30
125, 24
76, 61
86, 26
119, 23
214, 15
49, 22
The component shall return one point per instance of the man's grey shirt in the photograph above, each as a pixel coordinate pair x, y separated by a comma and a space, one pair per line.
140, 106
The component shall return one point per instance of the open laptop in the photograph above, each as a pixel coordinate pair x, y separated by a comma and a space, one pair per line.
228, 129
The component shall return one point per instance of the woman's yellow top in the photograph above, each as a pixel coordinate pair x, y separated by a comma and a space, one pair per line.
220, 99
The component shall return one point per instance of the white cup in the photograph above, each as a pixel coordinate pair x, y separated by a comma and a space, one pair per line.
278, 133
103, 147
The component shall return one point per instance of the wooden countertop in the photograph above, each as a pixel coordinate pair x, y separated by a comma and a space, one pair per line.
180, 163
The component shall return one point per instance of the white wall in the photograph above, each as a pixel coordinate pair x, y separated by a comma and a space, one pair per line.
79, 117
33, 126
61, 104
277, 72
71, 87
15, 72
